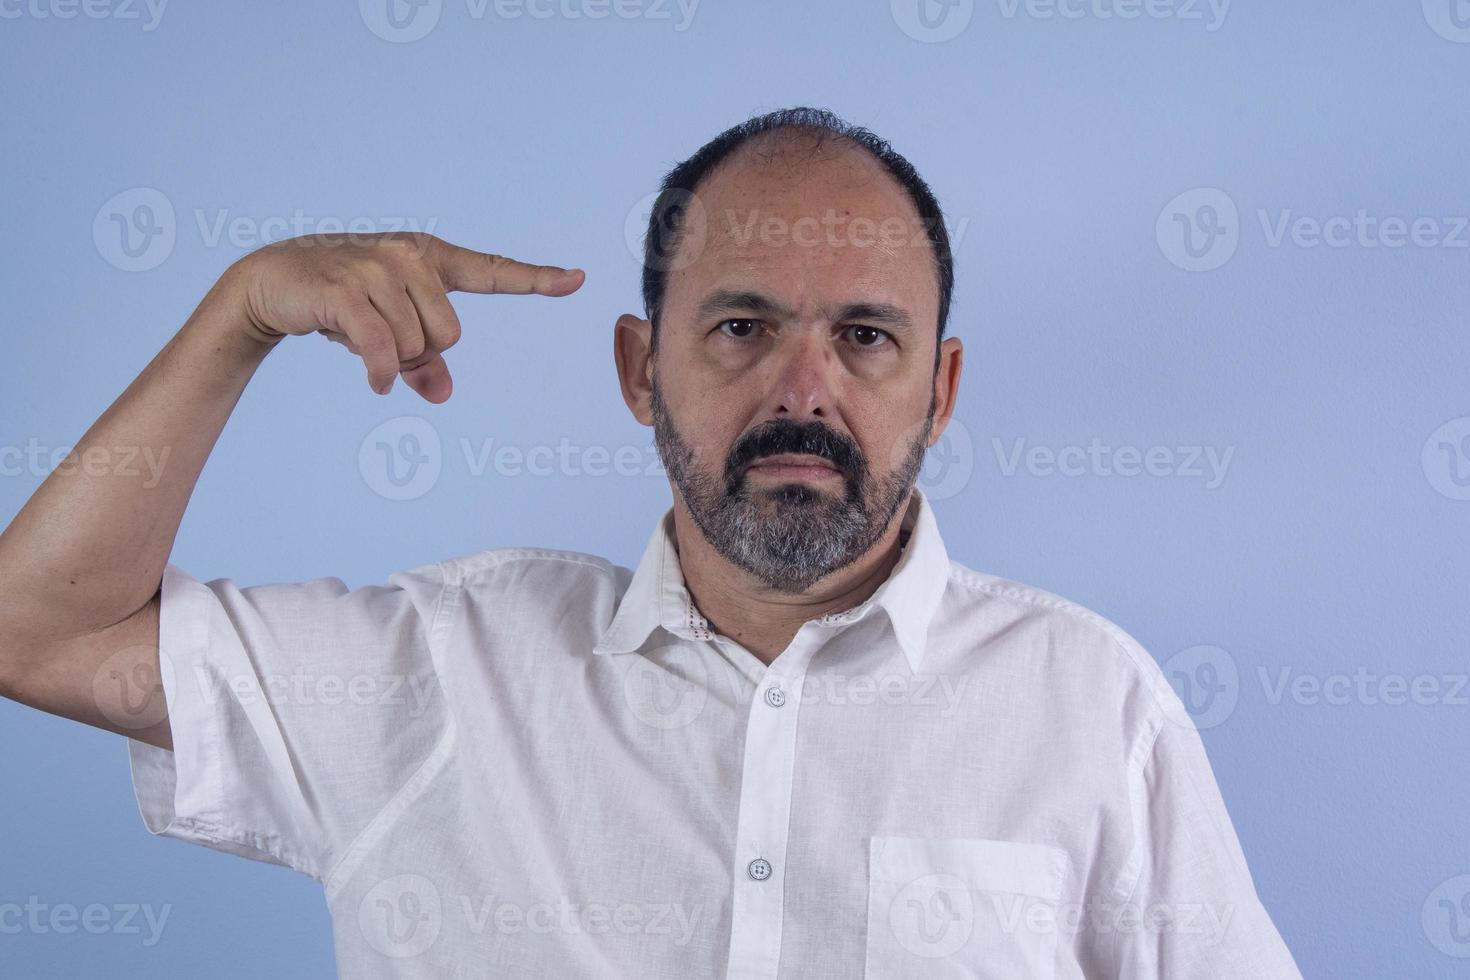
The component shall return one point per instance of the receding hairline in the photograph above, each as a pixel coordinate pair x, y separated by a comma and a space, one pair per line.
803, 147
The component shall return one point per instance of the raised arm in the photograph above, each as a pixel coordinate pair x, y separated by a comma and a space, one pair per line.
81, 564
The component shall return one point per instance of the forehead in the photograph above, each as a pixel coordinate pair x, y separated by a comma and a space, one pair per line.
812, 226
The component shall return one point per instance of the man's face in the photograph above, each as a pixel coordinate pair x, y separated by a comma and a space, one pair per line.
799, 320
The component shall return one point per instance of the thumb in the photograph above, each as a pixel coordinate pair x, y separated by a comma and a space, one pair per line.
430, 379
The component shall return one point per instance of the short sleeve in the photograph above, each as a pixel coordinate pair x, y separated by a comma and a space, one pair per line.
1193, 913
297, 711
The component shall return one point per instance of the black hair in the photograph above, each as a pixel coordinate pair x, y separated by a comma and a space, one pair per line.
661, 242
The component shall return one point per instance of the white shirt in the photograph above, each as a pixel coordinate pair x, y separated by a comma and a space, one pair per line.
536, 763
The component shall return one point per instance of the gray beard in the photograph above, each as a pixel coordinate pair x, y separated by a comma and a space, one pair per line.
791, 535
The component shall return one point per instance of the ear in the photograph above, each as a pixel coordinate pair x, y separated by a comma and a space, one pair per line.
946, 384
633, 351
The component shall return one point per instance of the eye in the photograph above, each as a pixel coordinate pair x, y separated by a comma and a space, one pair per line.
870, 338
744, 328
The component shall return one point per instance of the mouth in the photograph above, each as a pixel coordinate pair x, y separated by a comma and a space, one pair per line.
795, 466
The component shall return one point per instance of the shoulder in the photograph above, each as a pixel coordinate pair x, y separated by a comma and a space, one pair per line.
1072, 645
1018, 605
542, 572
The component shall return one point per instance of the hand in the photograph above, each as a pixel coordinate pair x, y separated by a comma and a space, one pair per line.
383, 296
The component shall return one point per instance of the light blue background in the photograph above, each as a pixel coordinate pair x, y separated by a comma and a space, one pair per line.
1333, 545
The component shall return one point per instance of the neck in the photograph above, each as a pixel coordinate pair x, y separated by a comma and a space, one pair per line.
761, 619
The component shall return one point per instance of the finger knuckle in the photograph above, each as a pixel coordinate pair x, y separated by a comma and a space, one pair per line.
397, 243
411, 347
405, 248
341, 293
378, 344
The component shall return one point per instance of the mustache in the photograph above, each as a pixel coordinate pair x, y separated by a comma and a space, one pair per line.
783, 436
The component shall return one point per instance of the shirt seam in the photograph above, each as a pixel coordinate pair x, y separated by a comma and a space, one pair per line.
202, 654
1121, 641
449, 585
268, 844
211, 825
1148, 757
1030, 595
485, 561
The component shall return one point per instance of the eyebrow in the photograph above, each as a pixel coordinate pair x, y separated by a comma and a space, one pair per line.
743, 301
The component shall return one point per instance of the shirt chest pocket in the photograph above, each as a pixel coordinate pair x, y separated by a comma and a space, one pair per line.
962, 907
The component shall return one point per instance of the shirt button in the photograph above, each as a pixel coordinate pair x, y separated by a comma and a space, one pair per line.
775, 697
760, 869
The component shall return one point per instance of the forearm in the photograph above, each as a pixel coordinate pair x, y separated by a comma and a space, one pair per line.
89, 547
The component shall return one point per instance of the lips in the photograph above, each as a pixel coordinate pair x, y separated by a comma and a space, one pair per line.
795, 459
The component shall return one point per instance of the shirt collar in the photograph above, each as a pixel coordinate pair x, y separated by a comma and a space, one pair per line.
657, 597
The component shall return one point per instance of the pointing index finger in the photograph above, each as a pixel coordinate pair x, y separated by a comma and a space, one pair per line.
468, 271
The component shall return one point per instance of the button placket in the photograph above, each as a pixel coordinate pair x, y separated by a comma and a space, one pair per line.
765, 815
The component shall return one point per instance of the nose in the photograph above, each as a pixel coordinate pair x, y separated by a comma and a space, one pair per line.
806, 378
